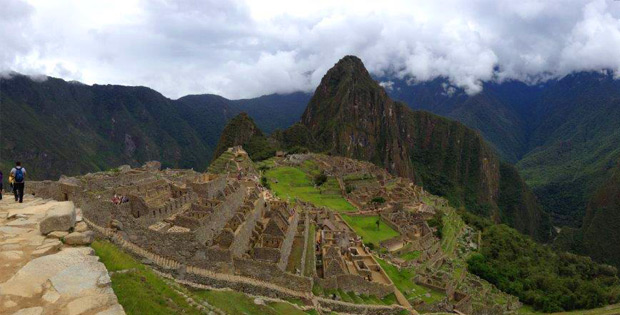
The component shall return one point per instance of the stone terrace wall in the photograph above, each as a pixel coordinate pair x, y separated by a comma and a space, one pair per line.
220, 216
210, 189
242, 240
285, 249
355, 283
268, 272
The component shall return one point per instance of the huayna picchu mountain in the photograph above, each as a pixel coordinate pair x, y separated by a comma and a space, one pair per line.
351, 115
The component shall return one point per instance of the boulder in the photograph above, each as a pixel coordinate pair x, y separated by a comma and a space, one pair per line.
60, 217
81, 227
79, 238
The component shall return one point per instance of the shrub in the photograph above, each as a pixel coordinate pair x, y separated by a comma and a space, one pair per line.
320, 179
378, 200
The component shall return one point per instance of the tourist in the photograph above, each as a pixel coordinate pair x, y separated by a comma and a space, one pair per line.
11, 182
124, 199
115, 199
19, 175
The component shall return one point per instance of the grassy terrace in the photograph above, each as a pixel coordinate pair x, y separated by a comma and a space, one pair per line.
293, 182
352, 297
141, 291
403, 280
452, 226
294, 259
310, 259
366, 227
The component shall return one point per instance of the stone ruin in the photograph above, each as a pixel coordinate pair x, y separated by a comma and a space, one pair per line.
201, 225
343, 262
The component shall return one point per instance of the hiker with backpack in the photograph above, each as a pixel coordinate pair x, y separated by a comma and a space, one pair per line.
19, 173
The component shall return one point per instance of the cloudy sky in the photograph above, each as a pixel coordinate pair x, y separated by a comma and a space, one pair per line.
249, 48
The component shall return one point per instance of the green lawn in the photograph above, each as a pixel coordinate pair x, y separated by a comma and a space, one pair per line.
141, 291
366, 227
292, 183
411, 255
310, 259
403, 280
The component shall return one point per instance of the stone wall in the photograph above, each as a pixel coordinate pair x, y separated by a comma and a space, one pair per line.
285, 249
220, 216
241, 243
355, 283
268, 272
210, 189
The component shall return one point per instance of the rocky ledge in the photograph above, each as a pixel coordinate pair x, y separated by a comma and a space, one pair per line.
46, 266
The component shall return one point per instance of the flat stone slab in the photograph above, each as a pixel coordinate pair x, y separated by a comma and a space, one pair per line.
41, 275
57, 234
79, 238
60, 217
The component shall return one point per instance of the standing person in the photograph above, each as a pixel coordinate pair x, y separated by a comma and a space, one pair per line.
11, 182
20, 174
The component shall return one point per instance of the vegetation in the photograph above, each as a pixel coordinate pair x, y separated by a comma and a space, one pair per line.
367, 228
403, 280
141, 291
378, 200
320, 179
241, 130
310, 259
292, 182
547, 280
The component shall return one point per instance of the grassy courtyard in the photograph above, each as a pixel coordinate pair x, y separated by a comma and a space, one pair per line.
366, 227
141, 291
292, 182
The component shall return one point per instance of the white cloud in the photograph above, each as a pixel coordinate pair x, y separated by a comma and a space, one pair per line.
245, 49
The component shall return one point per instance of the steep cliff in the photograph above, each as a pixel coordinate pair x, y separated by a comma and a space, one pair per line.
351, 115
600, 227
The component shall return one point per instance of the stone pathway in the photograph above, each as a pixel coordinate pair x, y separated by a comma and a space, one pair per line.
41, 275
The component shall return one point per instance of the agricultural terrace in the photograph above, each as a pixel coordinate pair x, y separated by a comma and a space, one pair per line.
292, 182
142, 291
366, 227
403, 280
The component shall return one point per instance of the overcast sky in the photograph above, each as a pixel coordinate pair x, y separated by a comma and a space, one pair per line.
249, 48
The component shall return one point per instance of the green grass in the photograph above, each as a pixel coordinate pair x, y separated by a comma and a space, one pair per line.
310, 262
141, 291
411, 255
403, 280
366, 227
452, 226
292, 183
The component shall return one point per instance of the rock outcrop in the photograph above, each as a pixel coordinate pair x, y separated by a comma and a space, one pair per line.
60, 217
40, 275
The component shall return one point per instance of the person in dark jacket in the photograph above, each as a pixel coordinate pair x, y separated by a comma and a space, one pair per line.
19, 173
